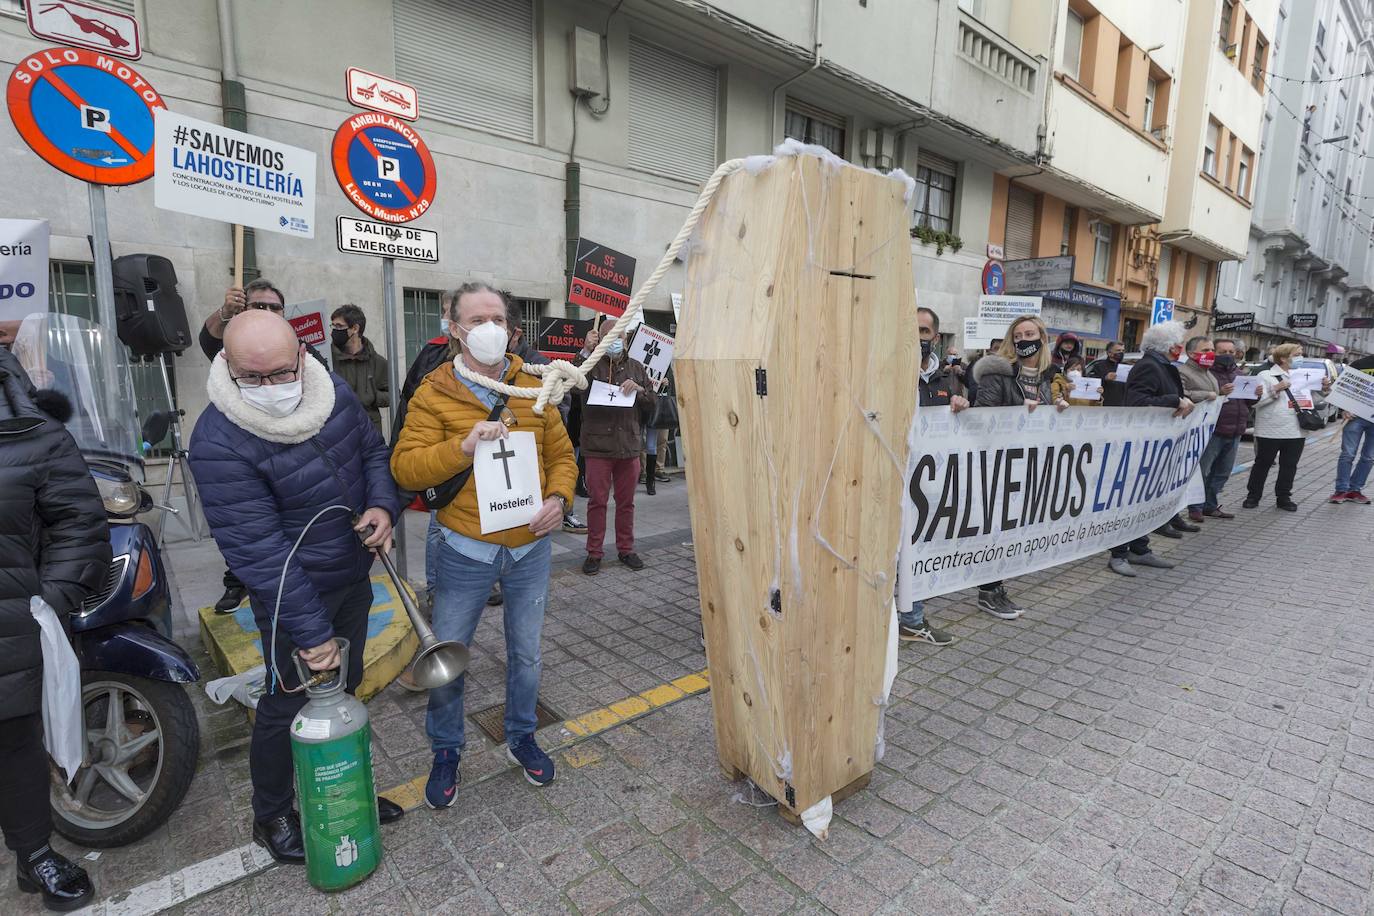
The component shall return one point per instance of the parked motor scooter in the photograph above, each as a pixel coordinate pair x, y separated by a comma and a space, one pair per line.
143, 739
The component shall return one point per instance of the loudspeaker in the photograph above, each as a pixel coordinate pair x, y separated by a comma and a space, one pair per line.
150, 313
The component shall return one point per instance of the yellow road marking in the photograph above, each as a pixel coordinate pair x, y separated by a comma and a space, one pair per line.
411, 794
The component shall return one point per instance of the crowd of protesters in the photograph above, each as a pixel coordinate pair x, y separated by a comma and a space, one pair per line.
1173, 371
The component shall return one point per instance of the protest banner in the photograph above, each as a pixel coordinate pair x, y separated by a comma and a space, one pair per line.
653, 349
507, 475
604, 395
1000, 492
23, 267
601, 278
1354, 391
208, 170
563, 338
311, 326
1246, 388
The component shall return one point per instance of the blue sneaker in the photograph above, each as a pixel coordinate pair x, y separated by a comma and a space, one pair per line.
536, 764
442, 788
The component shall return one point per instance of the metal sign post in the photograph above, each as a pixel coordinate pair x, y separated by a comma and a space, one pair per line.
104, 277
395, 378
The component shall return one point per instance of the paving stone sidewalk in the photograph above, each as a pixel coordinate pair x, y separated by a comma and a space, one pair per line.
1197, 740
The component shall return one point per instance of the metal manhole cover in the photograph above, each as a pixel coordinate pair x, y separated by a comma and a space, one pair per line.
492, 720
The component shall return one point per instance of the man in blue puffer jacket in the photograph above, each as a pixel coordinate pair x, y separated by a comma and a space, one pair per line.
282, 440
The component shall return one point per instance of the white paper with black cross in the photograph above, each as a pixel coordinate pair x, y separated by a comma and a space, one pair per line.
506, 472
654, 349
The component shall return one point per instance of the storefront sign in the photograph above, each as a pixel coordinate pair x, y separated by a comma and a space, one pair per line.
1033, 275
1303, 320
1233, 321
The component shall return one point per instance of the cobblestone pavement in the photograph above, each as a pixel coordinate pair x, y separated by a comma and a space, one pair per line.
1197, 740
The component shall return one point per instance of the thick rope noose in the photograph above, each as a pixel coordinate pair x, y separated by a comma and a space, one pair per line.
560, 376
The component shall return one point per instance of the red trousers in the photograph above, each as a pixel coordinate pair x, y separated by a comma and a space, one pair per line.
602, 473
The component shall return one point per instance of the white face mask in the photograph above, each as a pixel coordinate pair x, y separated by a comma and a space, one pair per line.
486, 342
274, 400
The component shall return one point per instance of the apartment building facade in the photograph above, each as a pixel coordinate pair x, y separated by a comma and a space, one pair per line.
1311, 235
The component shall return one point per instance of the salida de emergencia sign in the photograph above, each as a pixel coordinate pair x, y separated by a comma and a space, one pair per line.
208, 170
383, 240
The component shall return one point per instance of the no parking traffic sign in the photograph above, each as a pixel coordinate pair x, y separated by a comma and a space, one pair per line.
86, 114
384, 167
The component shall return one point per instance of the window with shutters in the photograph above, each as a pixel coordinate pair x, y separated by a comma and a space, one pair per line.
1070, 224
1072, 55
1020, 224
672, 113
471, 60
1166, 260
810, 124
935, 180
1103, 234
1202, 269
1209, 150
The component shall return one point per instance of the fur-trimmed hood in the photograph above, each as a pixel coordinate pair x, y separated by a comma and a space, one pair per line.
316, 406
992, 364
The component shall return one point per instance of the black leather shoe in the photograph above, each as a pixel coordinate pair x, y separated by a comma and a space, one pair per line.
388, 812
1179, 524
591, 566
281, 837
1250, 504
1288, 506
233, 596
495, 597
632, 560
1168, 532
65, 886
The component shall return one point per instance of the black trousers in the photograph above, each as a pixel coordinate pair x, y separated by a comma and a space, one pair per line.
1288, 452
269, 757
25, 815
1140, 545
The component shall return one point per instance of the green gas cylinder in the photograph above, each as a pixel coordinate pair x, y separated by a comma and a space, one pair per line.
331, 747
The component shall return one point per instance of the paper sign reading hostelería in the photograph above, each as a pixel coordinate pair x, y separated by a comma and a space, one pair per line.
507, 475
999, 492
601, 279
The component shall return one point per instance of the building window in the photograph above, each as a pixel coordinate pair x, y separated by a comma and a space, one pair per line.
1261, 68
1321, 38
935, 180
1228, 163
1151, 91
1247, 165
1066, 238
1228, 16
1201, 268
472, 61
672, 113
810, 124
420, 308
531, 311
1103, 233
1166, 260
1073, 46
1209, 149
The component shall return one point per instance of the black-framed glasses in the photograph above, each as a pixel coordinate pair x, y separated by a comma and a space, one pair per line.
267, 306
258, 379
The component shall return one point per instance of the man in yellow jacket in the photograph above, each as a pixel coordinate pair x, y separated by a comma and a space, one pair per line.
446, 419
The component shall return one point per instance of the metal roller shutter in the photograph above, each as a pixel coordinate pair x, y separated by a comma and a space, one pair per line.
1020, 224
672, 112
471, 60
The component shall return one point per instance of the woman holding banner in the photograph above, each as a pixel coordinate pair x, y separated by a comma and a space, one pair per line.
1017, 374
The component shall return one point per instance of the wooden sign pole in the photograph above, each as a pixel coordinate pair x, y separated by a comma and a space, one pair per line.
238, 255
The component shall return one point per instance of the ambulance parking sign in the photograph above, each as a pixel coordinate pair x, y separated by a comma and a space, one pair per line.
384, 167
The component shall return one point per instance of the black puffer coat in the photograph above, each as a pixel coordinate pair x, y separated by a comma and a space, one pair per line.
54, 539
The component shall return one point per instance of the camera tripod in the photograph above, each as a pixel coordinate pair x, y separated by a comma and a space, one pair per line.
178, 462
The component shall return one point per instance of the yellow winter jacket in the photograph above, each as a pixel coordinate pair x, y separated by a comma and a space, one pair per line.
429, 449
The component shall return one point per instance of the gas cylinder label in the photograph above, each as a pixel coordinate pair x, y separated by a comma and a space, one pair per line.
311, 728
338, 803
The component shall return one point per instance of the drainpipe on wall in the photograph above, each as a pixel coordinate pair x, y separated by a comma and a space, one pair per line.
234, 112
815, 57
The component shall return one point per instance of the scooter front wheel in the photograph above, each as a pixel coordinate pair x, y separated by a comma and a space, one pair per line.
142, 745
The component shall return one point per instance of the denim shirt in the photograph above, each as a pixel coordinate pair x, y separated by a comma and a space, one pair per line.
473, 549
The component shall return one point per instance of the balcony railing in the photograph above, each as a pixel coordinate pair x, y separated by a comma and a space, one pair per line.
989, 51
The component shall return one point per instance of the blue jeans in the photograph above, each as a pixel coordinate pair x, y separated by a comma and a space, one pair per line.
1218, 461
458, 604
433, 538
914, 617
1346, 481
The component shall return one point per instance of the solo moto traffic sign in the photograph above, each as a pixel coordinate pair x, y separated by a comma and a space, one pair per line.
384, 167
85, 114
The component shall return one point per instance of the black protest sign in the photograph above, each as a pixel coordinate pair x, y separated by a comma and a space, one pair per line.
563, 338
601, 279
